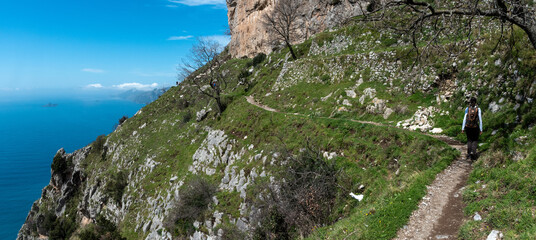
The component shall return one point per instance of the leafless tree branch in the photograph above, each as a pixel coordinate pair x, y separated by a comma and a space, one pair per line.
205, 61
283, 22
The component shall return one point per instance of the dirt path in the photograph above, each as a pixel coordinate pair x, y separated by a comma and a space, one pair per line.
440, 212
251, 100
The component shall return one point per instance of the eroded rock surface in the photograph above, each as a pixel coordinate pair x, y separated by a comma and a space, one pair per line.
250, 35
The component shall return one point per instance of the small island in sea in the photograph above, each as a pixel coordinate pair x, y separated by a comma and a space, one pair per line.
50, 105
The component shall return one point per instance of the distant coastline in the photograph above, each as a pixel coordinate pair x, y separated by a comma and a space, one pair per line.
50, 105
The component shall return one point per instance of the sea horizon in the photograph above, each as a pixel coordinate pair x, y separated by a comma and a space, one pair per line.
33, 130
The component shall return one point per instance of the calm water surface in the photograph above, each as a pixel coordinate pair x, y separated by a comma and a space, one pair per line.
30, 135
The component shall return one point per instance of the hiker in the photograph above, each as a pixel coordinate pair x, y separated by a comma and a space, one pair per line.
472, 126
215, 85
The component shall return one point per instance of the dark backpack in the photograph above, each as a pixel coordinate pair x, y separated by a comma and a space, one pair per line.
472, 117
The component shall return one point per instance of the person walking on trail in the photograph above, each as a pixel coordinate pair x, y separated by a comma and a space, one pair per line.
472, 126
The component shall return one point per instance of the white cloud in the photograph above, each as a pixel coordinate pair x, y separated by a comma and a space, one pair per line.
94, 85
137, 86
9, 89
171, 6
199, 2
92, 70
173, 38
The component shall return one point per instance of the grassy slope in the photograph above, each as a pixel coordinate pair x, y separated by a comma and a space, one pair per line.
371, 161
369, 151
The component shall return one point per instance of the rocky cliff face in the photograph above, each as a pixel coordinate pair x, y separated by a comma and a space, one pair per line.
62, 188
250, 36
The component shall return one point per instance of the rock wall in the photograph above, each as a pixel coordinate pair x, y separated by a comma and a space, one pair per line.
61, 188
250, 36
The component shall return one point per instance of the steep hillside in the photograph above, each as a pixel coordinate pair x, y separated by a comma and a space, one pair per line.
175, 171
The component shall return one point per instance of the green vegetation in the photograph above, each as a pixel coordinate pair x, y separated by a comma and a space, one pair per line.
393, 165
390, 167
304, 200
101, 230
195, 197
116, 186
59, 164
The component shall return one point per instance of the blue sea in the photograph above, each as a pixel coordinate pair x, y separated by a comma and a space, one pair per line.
30, 135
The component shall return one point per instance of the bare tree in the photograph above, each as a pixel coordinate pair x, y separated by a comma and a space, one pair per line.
520, 13
283, 22
205, 59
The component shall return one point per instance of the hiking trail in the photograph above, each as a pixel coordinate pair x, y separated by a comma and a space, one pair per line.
440, 211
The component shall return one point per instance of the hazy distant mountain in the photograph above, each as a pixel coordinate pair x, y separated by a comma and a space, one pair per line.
143, 97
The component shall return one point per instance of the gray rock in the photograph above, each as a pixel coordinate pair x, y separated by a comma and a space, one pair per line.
367, 93
147, 226
494, 107
351, 93
477, 217
217, 218
387, 113
202, 114
198, 236
377, 106
494, 235
225, 179
241, 224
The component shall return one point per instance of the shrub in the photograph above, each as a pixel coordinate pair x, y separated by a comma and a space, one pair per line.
304, 200
243, 74
259, 58
49, 220
529, 119
123, 119
63, 228
272, 226
88, 234
325, 78
116, 186
187, 117
98, 145
195, 197
183, 104
231, 232
58, 227
59, 164
103, 230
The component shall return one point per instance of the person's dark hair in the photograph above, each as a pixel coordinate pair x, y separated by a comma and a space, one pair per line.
472, 101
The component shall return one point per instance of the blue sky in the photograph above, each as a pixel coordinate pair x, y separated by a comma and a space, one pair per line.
100, 44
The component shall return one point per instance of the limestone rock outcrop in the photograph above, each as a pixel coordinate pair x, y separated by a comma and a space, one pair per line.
250, 36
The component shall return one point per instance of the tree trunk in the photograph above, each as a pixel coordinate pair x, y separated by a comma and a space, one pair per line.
531, 32
291, 51
221, 108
